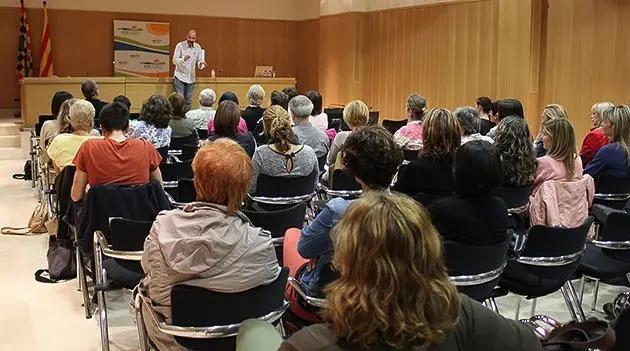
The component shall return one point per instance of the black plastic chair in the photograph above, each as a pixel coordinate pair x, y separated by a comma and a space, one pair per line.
284, 190
186, 191
546, 265
163, 151
172, 173
203, 134
343, 185
178, 143
208, 320
373, 118
123, 264
475, 269
335, 116
393, 126
321, 162
44, 118
134, 115
516, 199
38, 129
612, 190
609, 255
189, 152
410, 155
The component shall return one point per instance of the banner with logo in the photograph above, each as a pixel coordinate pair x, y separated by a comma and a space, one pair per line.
141, 49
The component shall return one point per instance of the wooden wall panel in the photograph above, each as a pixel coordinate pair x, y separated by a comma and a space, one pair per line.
82, 43
441, 52
307, 56
588, 56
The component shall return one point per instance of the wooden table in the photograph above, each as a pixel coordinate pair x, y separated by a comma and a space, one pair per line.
37, 93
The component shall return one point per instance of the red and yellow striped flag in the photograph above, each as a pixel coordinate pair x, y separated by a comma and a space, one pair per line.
46, 56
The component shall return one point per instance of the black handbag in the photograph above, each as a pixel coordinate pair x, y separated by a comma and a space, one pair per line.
580, 336
62, 263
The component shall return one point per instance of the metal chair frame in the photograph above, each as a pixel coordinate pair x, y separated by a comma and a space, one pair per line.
568, 291
340, 193
103, 248
313, 301
289, 200
210, 332
478, 279
613, 197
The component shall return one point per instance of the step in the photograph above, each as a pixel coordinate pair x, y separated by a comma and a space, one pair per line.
12, 153
9, 129
9, 141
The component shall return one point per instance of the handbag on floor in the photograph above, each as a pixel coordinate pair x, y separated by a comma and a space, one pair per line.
27, 175
62, 264
38, 223
580, 336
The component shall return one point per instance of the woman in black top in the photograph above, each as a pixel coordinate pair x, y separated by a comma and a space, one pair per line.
431, 175
473, 216
226, 126
253, 113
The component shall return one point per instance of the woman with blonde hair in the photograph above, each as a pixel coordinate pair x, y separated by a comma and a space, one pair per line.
430, 176
80, 122
551, 111
356, 114
254, 112
208, 243
613, 158
282, 157
562, 161
393, 291
595, 139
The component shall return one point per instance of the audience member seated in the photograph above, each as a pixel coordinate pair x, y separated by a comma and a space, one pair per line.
356, 114
270, 114
318, 118
613, 158
505, 108
470, 124
228, 96
253, 113
409, 137
290, 92
551, 111
115, 159
89, 88
226, 126
300, 108
393, 291
562, 161
64, 146
152, 125
483, 105
595, 139
282, 157
201, 116
208, 243
473, 216
51, 128
372, 157
517, 154
279, 98
123, 100
430, 176
181, 127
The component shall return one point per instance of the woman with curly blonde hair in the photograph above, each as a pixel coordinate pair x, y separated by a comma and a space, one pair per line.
393, 291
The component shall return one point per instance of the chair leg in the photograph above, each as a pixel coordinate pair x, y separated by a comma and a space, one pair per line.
533, 310
628, 277
84, 288
102, 309
142, 332
567, 300
78, 257
582, 285
595, 293
573, 304
518, 307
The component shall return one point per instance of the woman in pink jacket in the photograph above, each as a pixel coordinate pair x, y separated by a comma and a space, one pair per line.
208, 243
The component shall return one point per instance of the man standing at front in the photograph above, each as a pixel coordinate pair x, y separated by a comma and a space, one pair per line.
187, 55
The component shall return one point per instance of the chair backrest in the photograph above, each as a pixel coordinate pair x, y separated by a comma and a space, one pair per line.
172, 172
615, 237
554, 252
38, 129
479, 262
193, 306
277, 222
203, 134
334, 114
163, 151
321, 162
612, 184
186, 191
129, 235
393, 126
134, 115
373, 118
44, 118
63, 188
189, 152
269, 186
410, 155
342, 180
516, 199
178, 143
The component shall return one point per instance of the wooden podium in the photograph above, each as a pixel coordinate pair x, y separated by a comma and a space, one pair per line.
37, 93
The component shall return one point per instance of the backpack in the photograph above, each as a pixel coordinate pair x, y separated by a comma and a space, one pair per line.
62, 263
28, 174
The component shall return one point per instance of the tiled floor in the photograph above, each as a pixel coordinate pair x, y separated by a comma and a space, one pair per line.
36, 316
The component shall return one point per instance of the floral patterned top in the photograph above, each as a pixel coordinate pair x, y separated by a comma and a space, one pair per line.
159, 137
409, 137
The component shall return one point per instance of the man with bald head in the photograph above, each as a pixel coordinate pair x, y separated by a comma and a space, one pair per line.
187, 57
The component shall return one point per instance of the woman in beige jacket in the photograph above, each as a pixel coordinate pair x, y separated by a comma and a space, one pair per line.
208, 243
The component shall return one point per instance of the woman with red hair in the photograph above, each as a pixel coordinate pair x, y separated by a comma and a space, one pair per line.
208, 243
